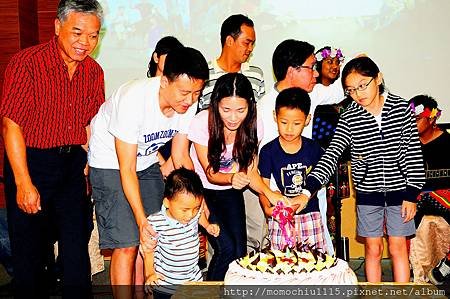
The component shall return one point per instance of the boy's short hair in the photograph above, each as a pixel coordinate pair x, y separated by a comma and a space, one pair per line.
185, 61
293, 98
183, 180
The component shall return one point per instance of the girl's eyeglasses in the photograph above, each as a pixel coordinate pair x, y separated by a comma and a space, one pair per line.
362, 87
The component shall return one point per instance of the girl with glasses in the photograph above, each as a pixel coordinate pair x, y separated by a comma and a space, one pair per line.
386, 162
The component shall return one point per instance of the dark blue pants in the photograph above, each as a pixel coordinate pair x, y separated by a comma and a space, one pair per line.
228, 211
58, 176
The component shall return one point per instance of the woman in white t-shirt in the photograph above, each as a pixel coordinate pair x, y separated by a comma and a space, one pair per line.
327, 91
225, 145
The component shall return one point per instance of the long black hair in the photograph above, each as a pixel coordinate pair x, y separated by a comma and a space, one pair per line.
163, 46
246, 140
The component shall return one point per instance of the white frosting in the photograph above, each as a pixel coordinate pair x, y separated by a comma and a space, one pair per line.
338, 274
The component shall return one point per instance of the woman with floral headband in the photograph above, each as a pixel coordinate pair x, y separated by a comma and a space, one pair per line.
432, 242
327, 91
329, 62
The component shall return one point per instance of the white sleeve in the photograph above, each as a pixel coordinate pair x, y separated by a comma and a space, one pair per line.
126, 117
326, 95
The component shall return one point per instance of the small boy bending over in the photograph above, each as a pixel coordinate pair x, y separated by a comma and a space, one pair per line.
289, 158
175, 258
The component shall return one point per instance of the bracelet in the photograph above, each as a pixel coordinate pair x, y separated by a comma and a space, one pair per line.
306, 192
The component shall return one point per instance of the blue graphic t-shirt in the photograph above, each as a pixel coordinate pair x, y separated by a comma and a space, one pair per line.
290, 170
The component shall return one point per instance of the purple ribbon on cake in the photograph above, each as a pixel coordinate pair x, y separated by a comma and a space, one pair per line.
284, 215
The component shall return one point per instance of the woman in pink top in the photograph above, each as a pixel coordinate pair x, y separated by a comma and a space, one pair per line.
225, 145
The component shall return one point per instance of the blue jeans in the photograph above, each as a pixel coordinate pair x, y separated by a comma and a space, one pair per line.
228, 211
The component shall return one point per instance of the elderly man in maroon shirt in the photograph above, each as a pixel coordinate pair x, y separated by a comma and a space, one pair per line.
50, 94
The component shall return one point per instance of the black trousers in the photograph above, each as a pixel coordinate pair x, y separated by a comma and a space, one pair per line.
228, 211
57, 174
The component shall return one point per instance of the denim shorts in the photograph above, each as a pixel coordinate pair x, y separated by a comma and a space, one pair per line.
372, 220
116, 223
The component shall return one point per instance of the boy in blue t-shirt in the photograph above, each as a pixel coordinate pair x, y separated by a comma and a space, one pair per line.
289, 158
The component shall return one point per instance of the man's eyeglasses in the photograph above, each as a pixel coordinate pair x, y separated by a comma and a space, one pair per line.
312, 68
362, 87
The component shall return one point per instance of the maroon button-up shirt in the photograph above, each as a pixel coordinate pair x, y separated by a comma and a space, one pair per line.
51, 109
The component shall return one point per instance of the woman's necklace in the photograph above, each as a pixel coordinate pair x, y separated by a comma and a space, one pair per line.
229, 137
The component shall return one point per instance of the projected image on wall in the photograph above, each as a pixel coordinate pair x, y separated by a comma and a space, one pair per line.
394, 33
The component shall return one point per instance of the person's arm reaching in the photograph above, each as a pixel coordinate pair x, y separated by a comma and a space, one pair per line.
126, 154
180, 152
212, 228
237, 180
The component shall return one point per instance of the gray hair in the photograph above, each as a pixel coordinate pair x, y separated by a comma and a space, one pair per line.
84, 6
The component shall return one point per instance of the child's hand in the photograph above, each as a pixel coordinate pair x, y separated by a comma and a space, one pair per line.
213, 229
408, 210
151, 281
299, 202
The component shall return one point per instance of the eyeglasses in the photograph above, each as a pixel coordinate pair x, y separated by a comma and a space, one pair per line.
312, 68
362, 87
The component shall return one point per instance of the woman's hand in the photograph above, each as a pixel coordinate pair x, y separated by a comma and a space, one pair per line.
239, 180
268, 211
408, 210
276, 196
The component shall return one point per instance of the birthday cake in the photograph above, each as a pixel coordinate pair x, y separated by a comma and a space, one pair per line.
299, 263
302, 265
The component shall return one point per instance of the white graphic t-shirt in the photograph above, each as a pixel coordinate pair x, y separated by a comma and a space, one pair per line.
133, 115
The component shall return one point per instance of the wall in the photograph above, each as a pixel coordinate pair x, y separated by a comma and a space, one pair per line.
348, 226
408, 39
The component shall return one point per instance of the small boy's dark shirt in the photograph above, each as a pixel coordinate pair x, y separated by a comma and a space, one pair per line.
290, 170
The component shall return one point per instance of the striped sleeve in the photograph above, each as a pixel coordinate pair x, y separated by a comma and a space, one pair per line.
414, 166
327, 163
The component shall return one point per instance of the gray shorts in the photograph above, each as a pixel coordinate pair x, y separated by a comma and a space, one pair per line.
116, 223
373, 219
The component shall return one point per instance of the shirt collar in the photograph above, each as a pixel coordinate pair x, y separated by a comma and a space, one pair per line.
174, 223
217, 69
57, 60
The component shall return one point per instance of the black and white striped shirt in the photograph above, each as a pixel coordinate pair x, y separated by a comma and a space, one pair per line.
253, 73
383, 159
177, 250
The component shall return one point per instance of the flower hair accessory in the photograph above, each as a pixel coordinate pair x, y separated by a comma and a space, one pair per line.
423, 111
325, 53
